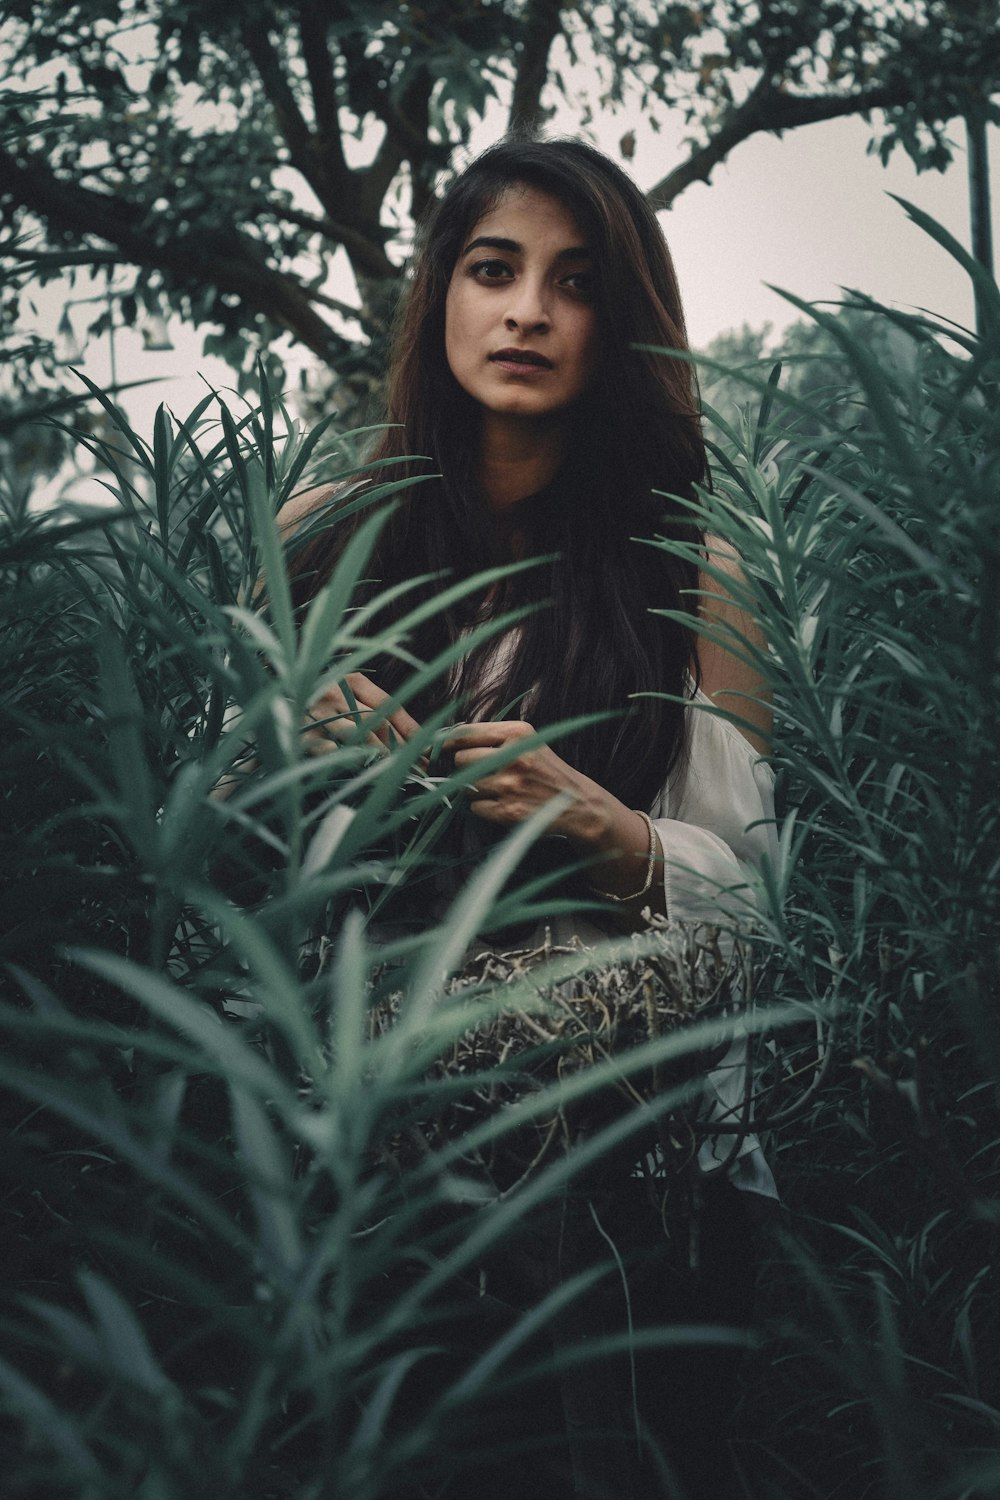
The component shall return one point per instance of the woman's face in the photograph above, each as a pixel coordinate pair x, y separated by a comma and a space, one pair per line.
520, 318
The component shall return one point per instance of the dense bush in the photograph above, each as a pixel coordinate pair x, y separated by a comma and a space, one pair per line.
198, 1245
220, 1277
874, 562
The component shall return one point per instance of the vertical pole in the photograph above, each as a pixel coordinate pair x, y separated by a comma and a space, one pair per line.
111, 334
979, 198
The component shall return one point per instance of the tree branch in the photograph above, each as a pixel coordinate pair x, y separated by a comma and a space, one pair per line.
314, 27
222, 259
362, 192
366, 256
329, 179
356, 314
377, 178
542, 24
766, 109
276, 87
405, 140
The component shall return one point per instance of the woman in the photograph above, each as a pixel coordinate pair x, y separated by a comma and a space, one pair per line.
555, 438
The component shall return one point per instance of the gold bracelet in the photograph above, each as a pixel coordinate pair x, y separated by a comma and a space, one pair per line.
649, 867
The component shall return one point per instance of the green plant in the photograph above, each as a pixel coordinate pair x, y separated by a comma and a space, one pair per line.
219, 1279
872, 562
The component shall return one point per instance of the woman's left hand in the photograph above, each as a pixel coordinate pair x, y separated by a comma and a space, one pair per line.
595, 822
528, 782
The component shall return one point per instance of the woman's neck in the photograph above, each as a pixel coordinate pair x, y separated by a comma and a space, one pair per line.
517, 459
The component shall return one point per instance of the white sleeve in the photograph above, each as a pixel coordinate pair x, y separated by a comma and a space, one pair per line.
715, 820
702, 878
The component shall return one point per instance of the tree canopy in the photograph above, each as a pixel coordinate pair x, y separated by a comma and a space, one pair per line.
817, 376
217, 158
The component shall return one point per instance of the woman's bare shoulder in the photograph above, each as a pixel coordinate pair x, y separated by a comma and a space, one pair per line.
727, 664
297, 510
722, 556
293, 518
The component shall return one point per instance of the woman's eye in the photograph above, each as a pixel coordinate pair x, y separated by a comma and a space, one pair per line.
491, 270
584, 282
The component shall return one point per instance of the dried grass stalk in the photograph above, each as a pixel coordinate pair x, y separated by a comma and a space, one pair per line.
600, 1013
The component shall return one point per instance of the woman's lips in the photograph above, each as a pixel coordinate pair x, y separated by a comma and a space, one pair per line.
520, 361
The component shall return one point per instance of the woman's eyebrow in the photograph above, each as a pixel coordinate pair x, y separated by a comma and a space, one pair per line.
513, 247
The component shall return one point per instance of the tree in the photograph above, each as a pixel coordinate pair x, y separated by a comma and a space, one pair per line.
814, 369
218, 158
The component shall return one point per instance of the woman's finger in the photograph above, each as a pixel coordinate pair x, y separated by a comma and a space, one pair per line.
464, 758
323, 732
332, 721
337, 715
369, 695
480, 736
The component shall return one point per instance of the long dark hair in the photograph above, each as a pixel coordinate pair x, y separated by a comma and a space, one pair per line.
593, 643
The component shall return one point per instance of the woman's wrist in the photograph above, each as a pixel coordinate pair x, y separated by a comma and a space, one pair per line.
652, 852
626, 847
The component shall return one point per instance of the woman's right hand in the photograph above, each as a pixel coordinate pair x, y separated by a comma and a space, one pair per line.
333, 719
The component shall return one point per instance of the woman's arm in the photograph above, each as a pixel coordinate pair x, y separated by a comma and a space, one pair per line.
732, 683
598, 825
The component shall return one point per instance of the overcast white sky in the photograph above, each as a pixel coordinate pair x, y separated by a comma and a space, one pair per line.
808, 213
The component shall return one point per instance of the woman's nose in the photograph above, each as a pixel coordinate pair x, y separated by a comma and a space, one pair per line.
527, 308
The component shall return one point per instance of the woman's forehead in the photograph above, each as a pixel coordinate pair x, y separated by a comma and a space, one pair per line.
523, 210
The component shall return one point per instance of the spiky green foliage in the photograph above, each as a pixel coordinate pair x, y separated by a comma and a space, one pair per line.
873, 564
211, 1289
217, 1284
